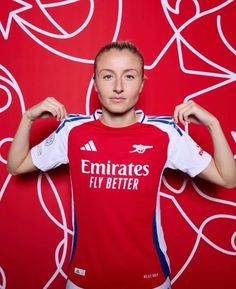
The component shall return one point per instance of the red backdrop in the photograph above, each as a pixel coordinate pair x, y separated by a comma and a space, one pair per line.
47, 49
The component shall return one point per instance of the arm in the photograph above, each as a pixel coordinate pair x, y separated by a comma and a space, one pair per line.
222, 168
19, 157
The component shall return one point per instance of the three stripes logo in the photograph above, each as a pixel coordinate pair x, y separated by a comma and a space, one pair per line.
90, 146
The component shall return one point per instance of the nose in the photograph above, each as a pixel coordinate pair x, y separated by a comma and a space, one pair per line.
118, 86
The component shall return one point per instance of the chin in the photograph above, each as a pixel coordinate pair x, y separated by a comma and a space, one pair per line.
119, 111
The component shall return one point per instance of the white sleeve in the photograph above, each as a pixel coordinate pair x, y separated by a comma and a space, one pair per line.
52, 151
185, 154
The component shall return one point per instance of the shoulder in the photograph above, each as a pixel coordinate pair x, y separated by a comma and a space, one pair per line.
164, 123
73, 120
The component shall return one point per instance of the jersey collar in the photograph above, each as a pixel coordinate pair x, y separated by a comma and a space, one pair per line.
97, 114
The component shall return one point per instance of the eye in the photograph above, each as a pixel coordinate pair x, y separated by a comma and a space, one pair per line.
129, 76
107, 77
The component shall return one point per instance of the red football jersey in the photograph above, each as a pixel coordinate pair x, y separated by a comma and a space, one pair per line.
116, 175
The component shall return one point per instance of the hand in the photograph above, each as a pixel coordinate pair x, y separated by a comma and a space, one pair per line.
49, 107
192, 112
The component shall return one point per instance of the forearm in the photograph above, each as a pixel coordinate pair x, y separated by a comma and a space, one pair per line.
19, 150
19, 157
223, 157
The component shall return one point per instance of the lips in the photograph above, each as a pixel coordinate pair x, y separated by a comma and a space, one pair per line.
117, 98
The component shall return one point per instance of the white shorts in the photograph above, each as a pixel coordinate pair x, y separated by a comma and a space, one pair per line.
165, 285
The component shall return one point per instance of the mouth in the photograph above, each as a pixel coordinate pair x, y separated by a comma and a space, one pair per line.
117, 98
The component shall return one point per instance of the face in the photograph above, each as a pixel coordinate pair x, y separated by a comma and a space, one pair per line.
118, 81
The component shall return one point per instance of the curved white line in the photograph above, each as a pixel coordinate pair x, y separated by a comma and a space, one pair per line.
231, 76
51, 20
63, 226
59, 267
161, 54
206, 60
199, 72
23, 24
6, 106
88, 96
210, 88
49, 48
4, 280
199, 234
5, 185
194, 227
211, 243
11, 81
233, 133
177, 35
1, 143
187, 23
48, 16
193, 18
55, 221
14, 85
177, 5
118, 22
233, 241
114, 38
57, 255
61, 3
222, 36
216, 200
176, 191
65, 34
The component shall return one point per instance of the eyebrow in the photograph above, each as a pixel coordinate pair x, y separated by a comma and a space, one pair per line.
125, 71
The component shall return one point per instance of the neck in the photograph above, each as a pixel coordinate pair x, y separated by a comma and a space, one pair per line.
118, 119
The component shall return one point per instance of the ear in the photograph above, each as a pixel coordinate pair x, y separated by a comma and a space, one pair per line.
142, 85
94, 84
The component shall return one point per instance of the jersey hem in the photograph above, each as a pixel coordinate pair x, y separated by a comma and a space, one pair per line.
165, 285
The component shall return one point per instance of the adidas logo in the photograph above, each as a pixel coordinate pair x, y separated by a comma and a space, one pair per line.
90, 146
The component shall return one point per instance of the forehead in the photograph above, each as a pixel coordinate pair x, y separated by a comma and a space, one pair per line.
118, 59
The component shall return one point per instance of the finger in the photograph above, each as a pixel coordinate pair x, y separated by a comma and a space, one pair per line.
178, 113
48, 109
57, 108
177, 110
62, 111
191, 113
182, 111
184, 115
51, 110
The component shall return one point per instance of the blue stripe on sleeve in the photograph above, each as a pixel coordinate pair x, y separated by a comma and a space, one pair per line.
71, 119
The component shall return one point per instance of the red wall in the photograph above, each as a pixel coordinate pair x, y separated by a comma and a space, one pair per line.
47, 49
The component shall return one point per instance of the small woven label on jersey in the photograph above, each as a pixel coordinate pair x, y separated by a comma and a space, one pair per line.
79, 271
